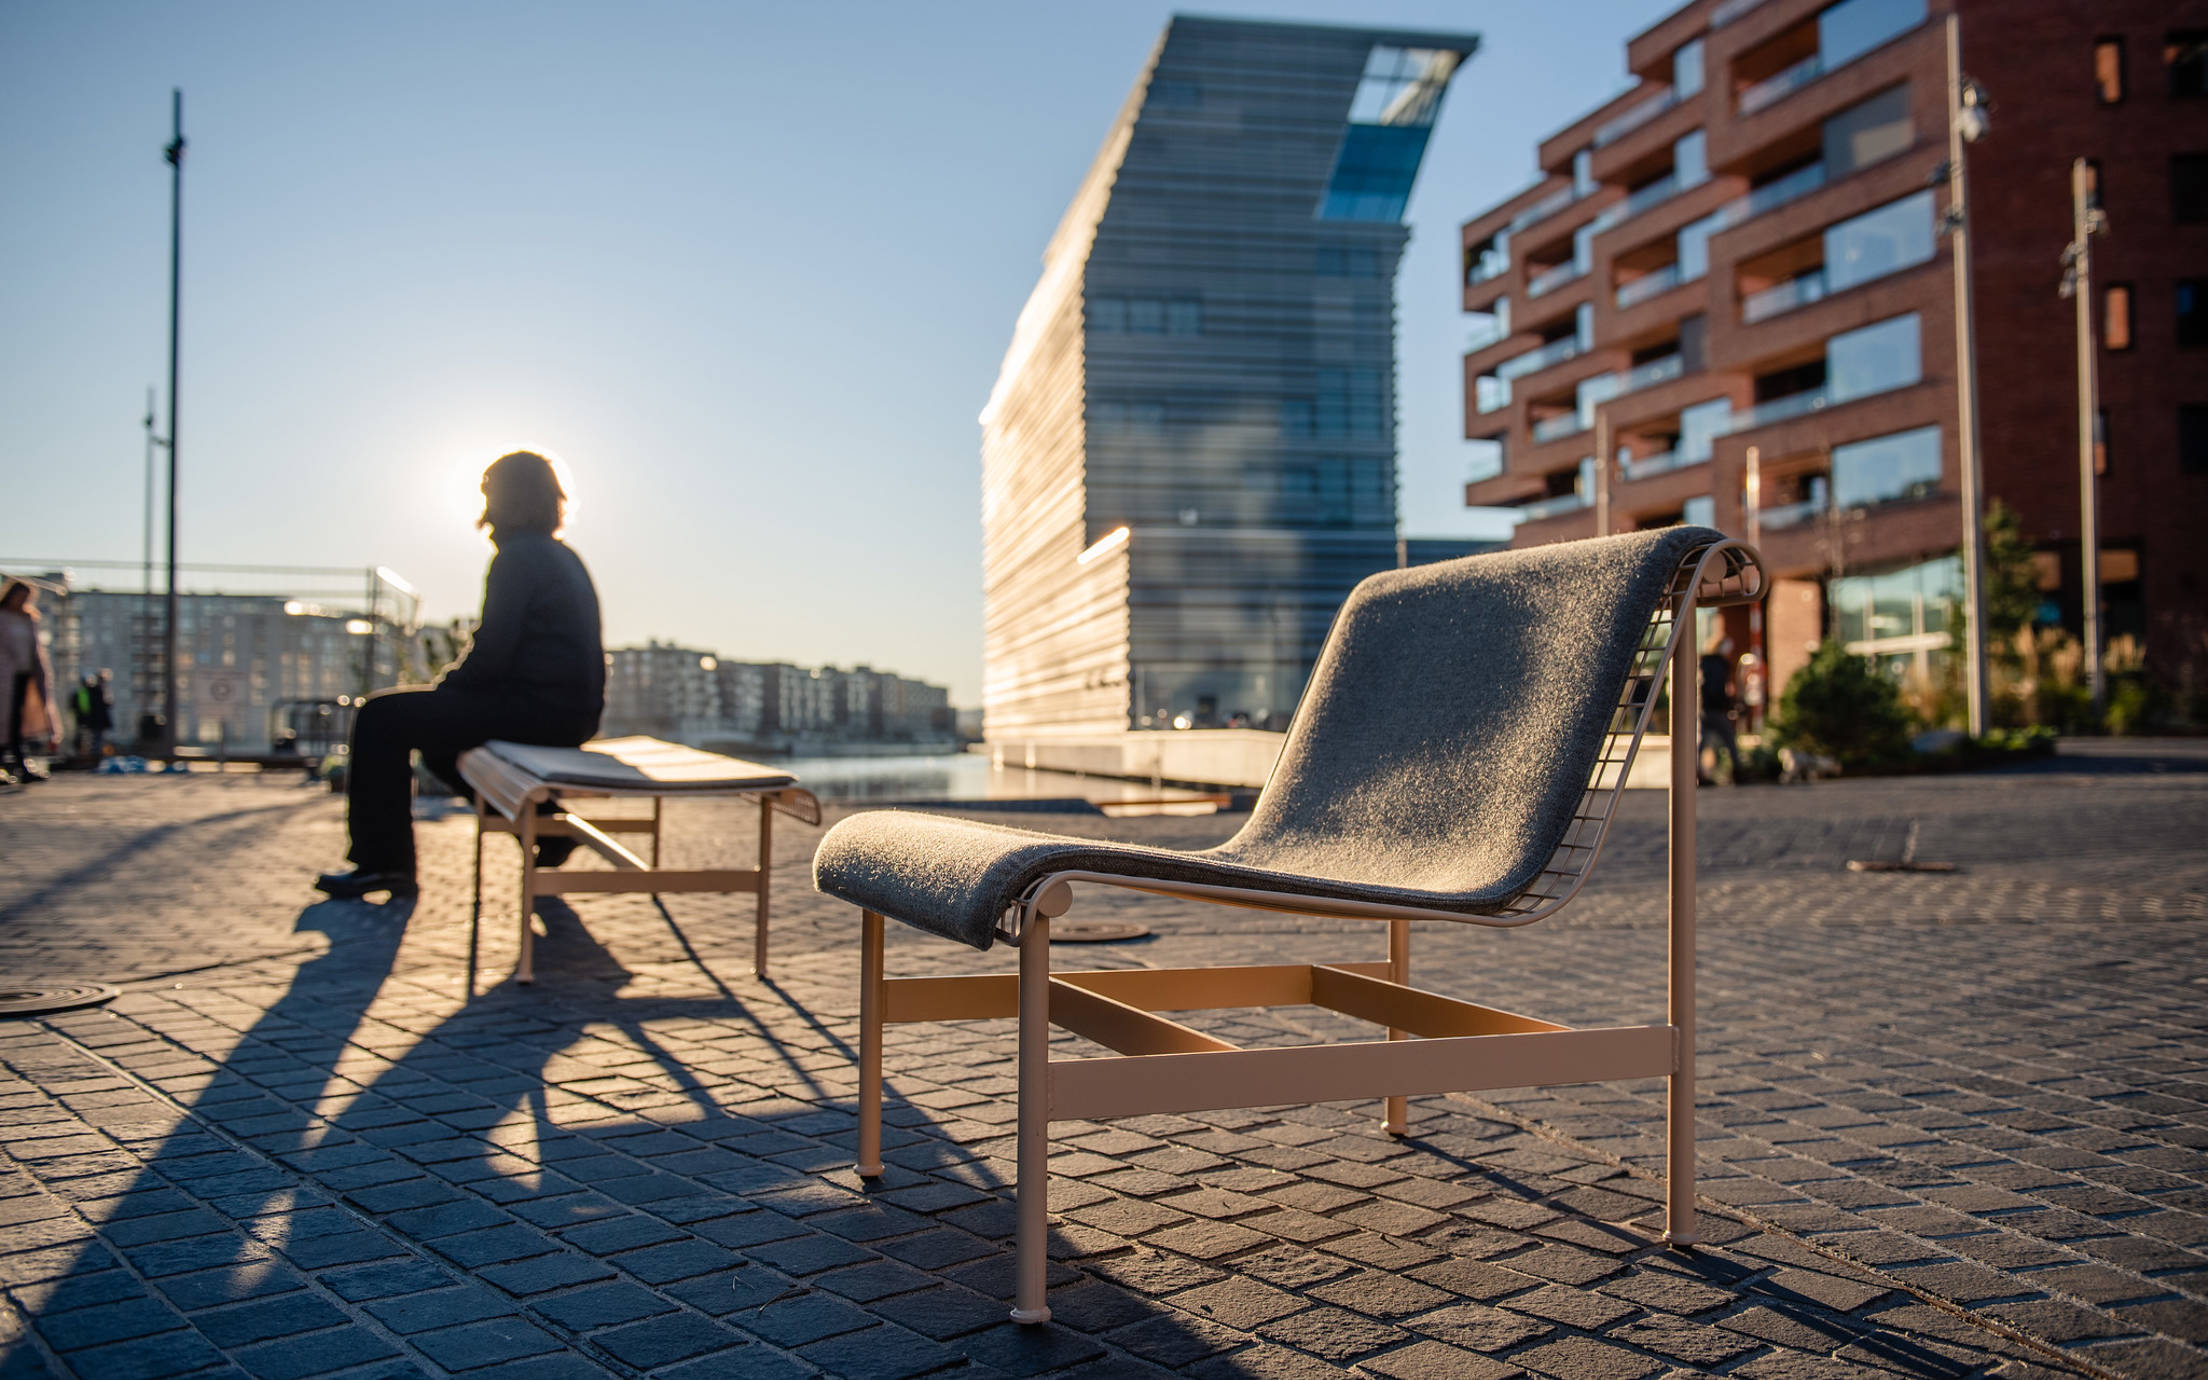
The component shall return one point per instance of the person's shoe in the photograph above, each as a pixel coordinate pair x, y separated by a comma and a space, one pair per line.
355, 882
552, 852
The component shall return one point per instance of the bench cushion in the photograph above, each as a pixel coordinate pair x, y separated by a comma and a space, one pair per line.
639, 764
1437, 758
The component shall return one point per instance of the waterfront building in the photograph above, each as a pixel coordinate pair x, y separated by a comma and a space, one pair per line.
1745, 253
1189, 455
693, 696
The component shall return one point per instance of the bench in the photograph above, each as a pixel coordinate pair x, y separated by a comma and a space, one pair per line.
1457, 756
511, 780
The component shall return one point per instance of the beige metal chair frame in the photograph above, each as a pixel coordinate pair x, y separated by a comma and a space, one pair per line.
1434, 1044
512, 794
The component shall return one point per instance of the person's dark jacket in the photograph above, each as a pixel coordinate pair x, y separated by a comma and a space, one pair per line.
539, 637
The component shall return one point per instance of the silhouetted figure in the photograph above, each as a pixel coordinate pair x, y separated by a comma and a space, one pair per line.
94, 707
28, 682
535, 673
1719, 708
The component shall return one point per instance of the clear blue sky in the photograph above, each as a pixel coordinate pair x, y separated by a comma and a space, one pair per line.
749, 268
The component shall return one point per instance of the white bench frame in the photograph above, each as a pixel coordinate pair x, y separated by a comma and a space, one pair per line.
512, 794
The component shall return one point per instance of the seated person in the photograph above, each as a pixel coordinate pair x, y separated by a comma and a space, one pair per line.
534, 673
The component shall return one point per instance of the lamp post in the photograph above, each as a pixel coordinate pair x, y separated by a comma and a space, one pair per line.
1967, 122
2087, 220
175, 155
142, 678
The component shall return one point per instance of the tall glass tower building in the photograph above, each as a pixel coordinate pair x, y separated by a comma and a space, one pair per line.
1189, 455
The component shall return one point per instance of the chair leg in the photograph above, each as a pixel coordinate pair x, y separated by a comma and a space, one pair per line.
766, 860
526, 971
1032, 1238
870, 1045
1397, 1119
1679, 1225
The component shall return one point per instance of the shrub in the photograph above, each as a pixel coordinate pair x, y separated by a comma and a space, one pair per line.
1844, 707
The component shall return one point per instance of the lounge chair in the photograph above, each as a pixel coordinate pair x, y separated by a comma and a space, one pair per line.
1457, 756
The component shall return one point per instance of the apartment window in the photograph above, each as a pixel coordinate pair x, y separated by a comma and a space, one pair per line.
2092, 181
2185, 54
1868, 132
1184, 317
2108, 70
2100, 441
1873, 359
1896, 236
2192, 438
1583, 172
1852, 28
1886, 469
1145, 316
1699, 512
2191, 297
1686, 69
1690, 163
2188, 188
2116, 316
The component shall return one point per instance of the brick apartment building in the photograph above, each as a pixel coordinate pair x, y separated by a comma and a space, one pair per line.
1746, 250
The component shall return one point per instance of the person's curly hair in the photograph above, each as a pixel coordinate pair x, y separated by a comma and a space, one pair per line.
522, 493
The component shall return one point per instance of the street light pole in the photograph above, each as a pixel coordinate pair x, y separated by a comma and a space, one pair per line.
2077, 283
1602, 473
175, 155
1966, 122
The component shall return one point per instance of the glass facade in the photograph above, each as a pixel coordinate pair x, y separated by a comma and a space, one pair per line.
1389, 120
1873, 359
1904, 617
1886, 469
1886, 240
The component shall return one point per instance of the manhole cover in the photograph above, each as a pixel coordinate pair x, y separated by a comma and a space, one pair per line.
1095, 932
36, 999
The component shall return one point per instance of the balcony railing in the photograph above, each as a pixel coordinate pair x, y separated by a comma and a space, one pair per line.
1535, 360
1634, 118
1549, 280
1783, 297
1772, 195
1492, 264
1781, 409
1654, 194
1483, 333
1773, 89
1561, 425
1731, 10
1544, 208
1649, 466
1490, 394
1648, 375
1648, 285
1553, 507
1793, 514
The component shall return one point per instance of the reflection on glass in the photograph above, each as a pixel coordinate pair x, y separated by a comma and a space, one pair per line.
1873, 359
1389, 118
1852, 28
1883, 469
1686, 69
1895, 236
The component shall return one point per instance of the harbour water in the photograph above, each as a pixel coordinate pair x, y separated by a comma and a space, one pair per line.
971, 778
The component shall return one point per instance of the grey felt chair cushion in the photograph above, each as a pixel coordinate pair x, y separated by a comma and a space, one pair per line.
1436, 760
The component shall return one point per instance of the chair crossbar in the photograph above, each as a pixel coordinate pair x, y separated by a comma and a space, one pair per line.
1119, 1026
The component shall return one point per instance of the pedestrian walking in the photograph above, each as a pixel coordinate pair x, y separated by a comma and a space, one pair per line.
1720, 706
28, 682
535, 672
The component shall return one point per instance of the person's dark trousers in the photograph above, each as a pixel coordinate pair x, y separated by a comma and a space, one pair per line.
440, 724
1717, 726
19, 693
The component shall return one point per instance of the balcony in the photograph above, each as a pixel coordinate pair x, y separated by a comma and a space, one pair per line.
1633, 119
1535, 360
1648, 375
1784, 409
1650, 285
1544, 208
1772, 195
1558, 427
1783, 297
1493, 263
1484, 333
1550, 279
1553, 507
1654, 194
1648, 467
1773, 89
1793, 514
1490, 394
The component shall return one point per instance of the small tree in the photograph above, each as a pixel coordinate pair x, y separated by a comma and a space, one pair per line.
1844, 707
2011, 579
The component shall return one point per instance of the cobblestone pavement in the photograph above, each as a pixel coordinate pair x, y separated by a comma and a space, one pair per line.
1951, 1124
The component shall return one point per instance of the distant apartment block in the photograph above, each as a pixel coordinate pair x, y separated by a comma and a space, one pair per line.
1745, 251
1189, 455
693, 696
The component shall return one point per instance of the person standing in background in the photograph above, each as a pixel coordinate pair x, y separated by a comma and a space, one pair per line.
28, 682
1719, 706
